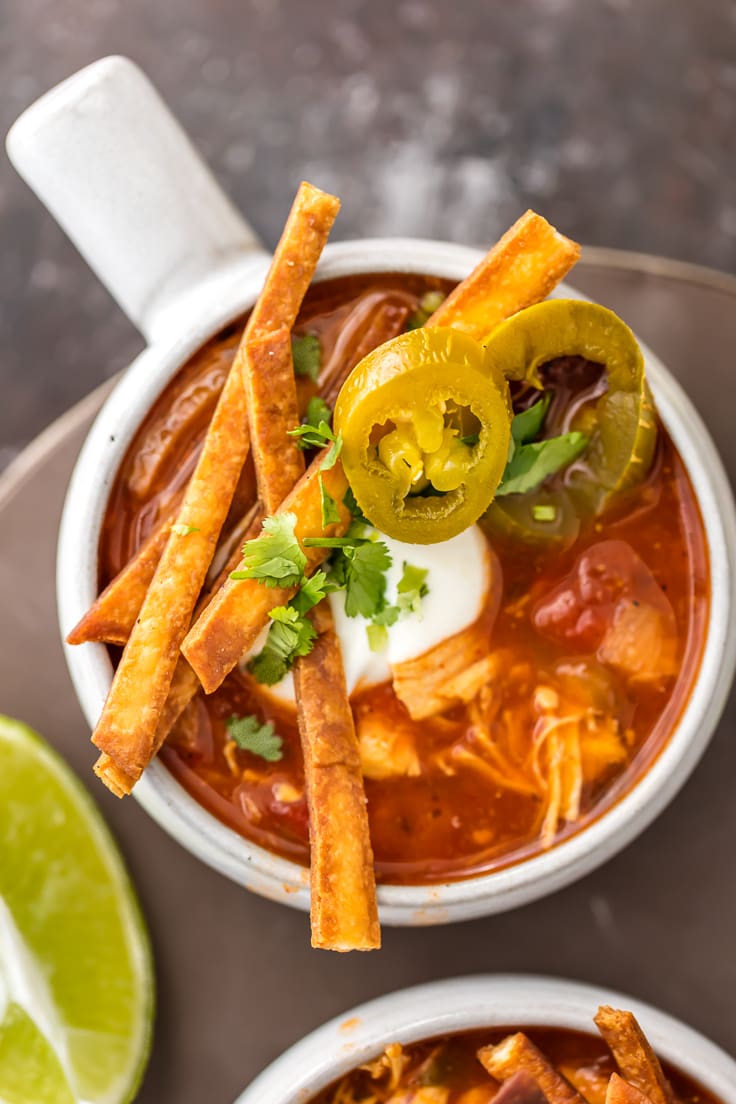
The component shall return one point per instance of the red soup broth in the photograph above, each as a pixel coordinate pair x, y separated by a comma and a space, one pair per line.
435, 824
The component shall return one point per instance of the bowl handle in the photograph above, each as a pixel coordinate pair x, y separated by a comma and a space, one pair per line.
107, 158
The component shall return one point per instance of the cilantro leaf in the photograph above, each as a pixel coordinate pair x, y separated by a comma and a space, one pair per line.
312, 591
312, 436
334, 451
275, 557
377, 636
428, 304
306, 353
526, 426
365, 578
318, 411
291, 635
182, 530
531, 464
259, 739
412, 587
470, 439
268, 667
319, 436
330, 512
351, 502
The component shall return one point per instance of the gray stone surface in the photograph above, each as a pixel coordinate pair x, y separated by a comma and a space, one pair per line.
613, 117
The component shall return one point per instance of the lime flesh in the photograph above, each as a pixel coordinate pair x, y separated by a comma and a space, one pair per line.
76, 986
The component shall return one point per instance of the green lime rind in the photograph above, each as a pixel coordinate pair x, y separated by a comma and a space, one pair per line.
67, 889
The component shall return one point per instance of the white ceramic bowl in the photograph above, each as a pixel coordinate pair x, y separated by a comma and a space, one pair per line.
199, 272
464, 1004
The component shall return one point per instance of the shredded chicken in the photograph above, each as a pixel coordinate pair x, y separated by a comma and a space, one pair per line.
387, 750
641, 643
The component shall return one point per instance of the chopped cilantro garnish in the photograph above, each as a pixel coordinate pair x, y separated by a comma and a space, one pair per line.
334, 451
544, 511
275, 557
328, 542
365, 570
526, 426
470, 439
377, 636
428, 304
350, 501
531, 464
319, 436
318, 411
312, 591
306, 352
412, 588
183, 530
257, 738
291, 635
330, 512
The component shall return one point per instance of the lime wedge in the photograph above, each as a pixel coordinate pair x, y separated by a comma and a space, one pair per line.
76, 982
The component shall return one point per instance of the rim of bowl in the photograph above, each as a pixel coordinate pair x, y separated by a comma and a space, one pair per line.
278, 878
467, 1003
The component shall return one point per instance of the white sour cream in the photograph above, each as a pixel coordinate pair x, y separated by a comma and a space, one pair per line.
459, 578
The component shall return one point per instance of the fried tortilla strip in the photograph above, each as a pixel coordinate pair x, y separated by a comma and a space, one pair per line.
621, 1092
521, 269
127, 727
264, 357
184, 685
230, 624
111, 617
634, 1056
518, 1052
343, 885
268, 376
302, 241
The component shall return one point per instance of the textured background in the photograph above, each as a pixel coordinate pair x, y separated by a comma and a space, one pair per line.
613, 117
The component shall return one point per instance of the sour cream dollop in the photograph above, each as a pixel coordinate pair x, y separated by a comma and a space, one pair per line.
459, 576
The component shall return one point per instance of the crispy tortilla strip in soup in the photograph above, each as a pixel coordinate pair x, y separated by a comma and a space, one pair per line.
518, 1052
265, 358
127, 727
502, 284
621, 1092
343, 885
636, 1061
184, 685
230, 624
521, 269
111, 618
131, 715
268, 372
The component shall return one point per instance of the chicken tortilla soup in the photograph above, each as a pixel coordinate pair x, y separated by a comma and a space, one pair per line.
405, 572
532, 1065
